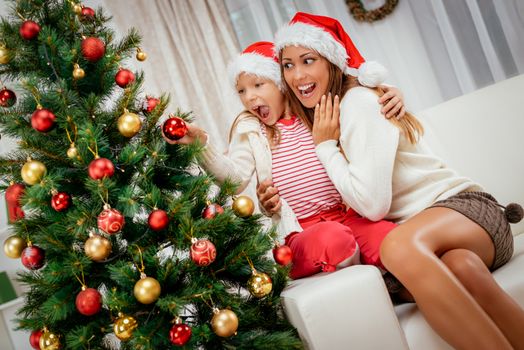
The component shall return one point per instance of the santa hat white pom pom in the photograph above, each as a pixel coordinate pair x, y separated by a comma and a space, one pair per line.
372, 74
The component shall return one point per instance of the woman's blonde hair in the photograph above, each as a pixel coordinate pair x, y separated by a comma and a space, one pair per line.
272, 132
339, 84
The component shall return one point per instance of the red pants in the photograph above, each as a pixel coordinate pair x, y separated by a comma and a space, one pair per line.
328, 239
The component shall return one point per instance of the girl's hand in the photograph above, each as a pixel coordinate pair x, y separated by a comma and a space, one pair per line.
193, 133
268, 197
392, 102
326, 125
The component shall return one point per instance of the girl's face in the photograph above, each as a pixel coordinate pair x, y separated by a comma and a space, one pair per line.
262, 97
306, 73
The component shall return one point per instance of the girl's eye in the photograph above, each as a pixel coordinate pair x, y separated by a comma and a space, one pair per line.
287, 65
257, 85
240, 92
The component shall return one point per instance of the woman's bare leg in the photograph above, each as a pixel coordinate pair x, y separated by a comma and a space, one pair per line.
411, 252
478, 280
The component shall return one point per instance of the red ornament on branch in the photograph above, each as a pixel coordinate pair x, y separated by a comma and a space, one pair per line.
110, 220
100, 168
29, 30
33, 257
124, 77
12, 197
158, 220
174, 128
88, 301
180, 333
150, 103
7, 98
87, 13
282, 255
203, 252
60, 201
93, 49
34, 339
43, 120
212, 210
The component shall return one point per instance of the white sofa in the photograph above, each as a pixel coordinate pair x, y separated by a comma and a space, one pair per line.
481, 135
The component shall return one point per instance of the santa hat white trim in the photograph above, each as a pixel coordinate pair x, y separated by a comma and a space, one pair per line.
255, 64
369, 74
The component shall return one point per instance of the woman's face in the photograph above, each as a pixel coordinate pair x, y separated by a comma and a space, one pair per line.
261, 97
306, 73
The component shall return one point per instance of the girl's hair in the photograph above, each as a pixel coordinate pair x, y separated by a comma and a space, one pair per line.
272, 132
339, 84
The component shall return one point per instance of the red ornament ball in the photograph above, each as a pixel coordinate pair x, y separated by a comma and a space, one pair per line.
88, 302
110, 221
282, 255
29, 30
7, 98
93, 49
174, 128
180, 334
150, 103
124, 77
43, 120
87, 13
34, 339
33, 257
12, 198
61, 201
212, 210
100, 168
203, 252
158, 220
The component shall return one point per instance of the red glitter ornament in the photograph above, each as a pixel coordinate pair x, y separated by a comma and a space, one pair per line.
124, 77
150, 103
43, 120
34, 339
87, 13
88, 301
100, 168
158, 220
180, 334
93, 49
7, 98
60, 201
33, 257
174, 128
282, 255
110, 220
29, 30
212, 210
12, 197
203, 252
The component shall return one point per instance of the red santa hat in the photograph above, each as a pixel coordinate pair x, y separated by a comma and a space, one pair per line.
257, 59
327, 36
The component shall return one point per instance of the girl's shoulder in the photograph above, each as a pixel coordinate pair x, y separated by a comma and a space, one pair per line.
246, 123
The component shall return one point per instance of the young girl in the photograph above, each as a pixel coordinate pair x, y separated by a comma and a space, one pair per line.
275, 144
451, 234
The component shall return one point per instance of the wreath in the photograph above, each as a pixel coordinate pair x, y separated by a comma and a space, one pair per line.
359, 12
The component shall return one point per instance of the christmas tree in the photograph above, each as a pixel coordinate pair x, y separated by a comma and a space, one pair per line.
127, 242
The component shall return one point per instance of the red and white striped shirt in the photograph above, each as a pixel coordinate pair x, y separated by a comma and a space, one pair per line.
297, 172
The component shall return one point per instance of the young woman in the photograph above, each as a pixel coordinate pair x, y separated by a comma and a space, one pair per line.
276, 145
452, 234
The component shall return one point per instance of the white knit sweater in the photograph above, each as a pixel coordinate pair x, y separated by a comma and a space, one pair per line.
248, 153
384, 176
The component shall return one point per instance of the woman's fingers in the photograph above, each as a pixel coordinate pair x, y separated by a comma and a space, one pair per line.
394, 110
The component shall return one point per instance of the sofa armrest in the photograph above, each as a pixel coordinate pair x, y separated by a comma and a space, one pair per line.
349, 308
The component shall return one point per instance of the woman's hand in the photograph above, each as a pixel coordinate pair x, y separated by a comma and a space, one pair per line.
392, 102
326, 125
268, 197
193, 133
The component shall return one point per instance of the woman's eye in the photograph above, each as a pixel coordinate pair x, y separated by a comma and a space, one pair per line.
287, 65
309, 60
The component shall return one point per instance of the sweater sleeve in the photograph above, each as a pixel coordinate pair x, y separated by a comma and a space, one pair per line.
238, 165
369, 142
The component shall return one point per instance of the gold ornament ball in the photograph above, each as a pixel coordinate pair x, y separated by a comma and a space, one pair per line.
72, 152
13, 247
147, 290
124, 327
33, 171
78, 73
224, 323
141, 55
243, 206
49, 341
129, 124
259, 284
77, 8
97, 248
4, 55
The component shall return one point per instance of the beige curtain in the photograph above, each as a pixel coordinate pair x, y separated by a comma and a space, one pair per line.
189, 44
